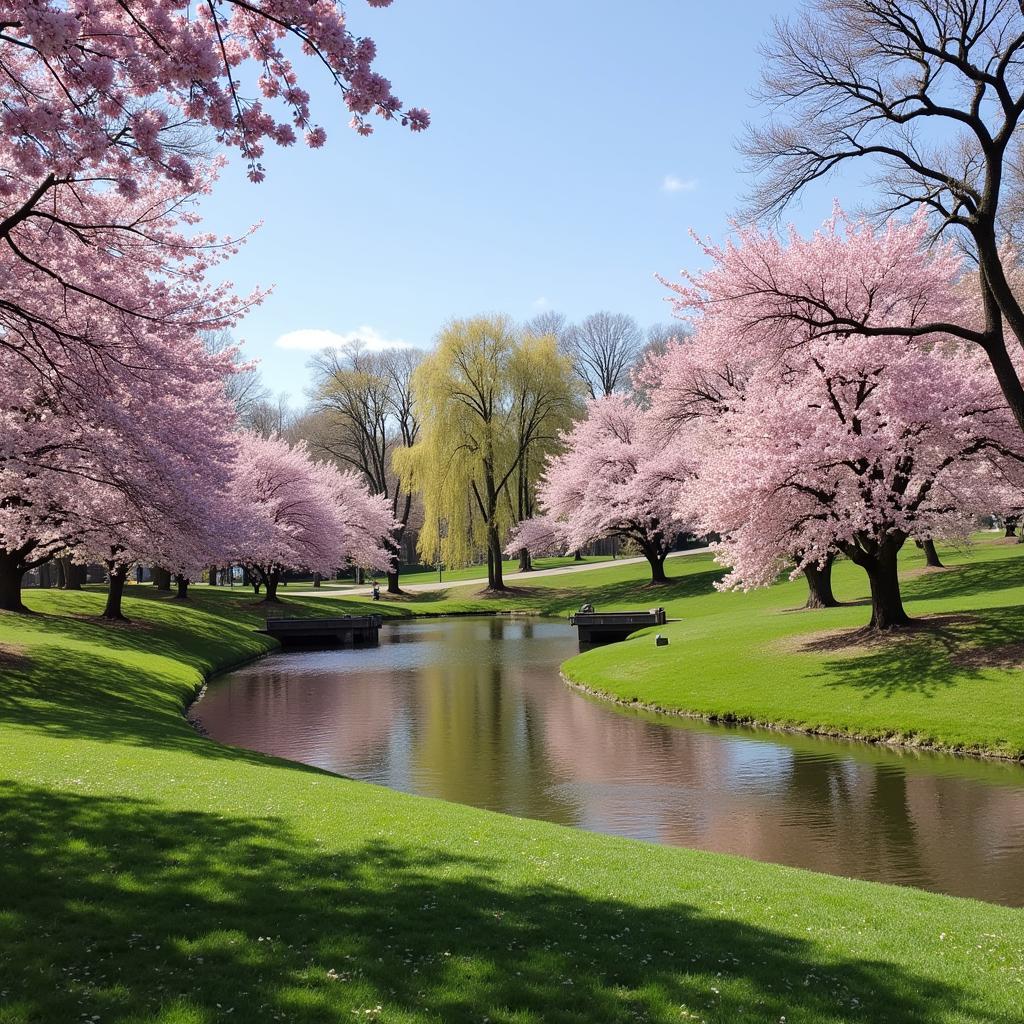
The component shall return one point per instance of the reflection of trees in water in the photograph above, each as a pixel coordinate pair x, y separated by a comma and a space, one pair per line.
480, 741
485, 721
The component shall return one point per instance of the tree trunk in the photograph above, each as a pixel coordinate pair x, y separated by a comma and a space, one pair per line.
393, 587
525, 562
931, 556
577, 556
819, 584
161, 578
886, 603
182, 582
656, 559
316, 580
272, 580
495, 579
213, 575
62, 575
360, 576
72, 574
115, 591
12, 570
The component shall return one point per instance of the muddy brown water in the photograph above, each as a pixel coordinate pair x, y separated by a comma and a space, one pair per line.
473, 710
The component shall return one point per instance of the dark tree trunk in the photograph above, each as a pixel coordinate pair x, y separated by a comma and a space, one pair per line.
115, 591
182, 582
656, 559
161, 578
393, 587
272, 580
1010, 522
931, 556
577, 556
213, 575
525, 562
819, 584
360, 576
62, 575
316, 580
495, 577
12, 571
72, 574
886, 602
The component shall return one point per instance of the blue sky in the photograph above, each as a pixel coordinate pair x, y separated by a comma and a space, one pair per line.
574, 145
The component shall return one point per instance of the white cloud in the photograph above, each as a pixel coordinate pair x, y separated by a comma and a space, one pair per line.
673, 184
541, 302
311, 339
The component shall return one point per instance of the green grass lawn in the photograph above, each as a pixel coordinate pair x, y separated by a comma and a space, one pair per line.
150, 875
958, 683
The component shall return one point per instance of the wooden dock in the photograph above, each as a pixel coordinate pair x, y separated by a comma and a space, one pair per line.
609, 627
342, 631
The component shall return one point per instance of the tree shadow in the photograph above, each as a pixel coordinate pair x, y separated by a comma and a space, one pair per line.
128, 911
940, 651
965, 580
630, 593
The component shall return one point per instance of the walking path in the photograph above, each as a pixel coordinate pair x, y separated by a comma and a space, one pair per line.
422, 588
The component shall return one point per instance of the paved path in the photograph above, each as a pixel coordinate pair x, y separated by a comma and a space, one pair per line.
420, 588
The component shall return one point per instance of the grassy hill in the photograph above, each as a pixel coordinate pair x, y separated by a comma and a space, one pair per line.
150, 875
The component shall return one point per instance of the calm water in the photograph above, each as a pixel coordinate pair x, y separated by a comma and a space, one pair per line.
473, 710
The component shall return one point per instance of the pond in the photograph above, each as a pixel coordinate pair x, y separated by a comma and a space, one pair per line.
473, 710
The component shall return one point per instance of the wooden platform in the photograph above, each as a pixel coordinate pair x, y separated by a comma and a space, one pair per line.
608, 627
342, 631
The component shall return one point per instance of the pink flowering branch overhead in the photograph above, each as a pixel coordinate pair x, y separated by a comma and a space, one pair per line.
115, 85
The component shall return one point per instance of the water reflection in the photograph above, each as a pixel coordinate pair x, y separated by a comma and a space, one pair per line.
472, 710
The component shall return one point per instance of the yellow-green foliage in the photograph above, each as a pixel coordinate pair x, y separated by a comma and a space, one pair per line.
491, 400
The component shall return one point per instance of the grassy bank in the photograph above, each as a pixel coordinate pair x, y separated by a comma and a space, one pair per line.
955, 683
150, 875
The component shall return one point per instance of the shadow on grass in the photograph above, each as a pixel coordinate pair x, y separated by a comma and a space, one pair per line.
938, 652
965, 580
125, 910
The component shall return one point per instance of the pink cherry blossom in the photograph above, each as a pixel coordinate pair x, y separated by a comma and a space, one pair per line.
614, 478
302, 514
806, 439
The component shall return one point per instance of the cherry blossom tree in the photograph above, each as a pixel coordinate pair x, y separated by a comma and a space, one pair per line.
806, 441
135, 468
302, 514
110, 111
615, 479
540, 535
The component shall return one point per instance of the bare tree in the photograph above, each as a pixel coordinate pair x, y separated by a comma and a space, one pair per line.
549, 322
602, 349
245, 389
931, 91
363, 412
270, 416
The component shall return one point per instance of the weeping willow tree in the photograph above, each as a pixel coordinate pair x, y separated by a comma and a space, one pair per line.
488, 396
